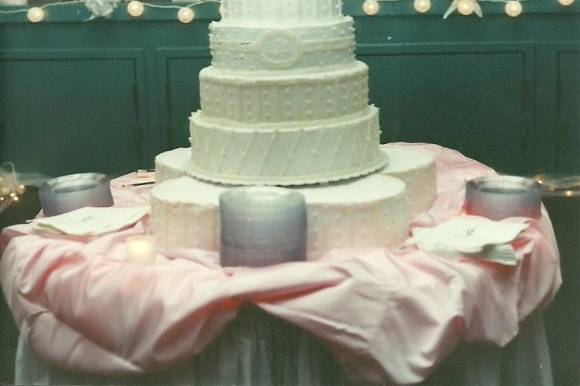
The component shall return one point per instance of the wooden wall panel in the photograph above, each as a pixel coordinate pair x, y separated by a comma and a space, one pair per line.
179, 73
67, 112
472, 98
568, 113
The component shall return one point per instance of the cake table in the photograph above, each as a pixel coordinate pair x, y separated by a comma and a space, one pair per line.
387, 315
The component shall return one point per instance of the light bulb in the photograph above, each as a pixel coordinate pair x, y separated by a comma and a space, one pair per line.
185, 15
135, 8
513, 8
466, 7
371, 7
566, 3
35, 15
422, 6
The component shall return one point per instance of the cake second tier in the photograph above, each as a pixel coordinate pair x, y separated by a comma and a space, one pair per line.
290, 153
288, 96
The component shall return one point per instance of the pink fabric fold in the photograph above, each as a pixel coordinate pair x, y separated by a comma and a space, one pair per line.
388, 315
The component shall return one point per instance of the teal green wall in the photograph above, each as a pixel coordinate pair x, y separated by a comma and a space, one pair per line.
109, 95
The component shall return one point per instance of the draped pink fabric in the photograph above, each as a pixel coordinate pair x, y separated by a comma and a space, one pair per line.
389, 315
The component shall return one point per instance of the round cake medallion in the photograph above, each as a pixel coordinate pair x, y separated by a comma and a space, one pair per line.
279, 49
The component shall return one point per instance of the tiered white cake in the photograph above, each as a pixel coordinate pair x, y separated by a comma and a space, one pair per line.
285, 102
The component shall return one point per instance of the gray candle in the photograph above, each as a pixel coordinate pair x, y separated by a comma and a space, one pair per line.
65, 194
498, 197
262, 226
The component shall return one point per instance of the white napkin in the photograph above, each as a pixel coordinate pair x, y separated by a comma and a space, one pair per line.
471, 236
92, 221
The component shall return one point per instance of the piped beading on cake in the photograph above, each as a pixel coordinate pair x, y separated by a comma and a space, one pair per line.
185, 214
321, 151
284, 102
270, 48
418, 170
276, 12
284, 97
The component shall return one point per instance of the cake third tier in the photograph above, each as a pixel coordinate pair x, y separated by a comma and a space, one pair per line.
286, 154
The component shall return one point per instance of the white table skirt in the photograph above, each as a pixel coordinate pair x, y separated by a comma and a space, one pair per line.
524, 362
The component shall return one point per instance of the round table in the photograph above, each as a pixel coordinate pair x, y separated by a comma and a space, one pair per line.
386, 315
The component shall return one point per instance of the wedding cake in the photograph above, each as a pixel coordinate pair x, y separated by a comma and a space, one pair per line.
285, 102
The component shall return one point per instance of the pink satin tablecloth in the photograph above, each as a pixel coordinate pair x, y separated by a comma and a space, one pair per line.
388, 315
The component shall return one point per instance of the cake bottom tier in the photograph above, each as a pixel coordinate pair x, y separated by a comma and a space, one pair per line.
414, 167
290, 154
370, 212
418, 171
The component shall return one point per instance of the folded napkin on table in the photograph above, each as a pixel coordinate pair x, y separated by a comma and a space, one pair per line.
92, 221
471, 236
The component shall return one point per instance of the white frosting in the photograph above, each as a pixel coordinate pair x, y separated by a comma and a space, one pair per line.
286, 103
417, 169
364, 213
286, 154
184, 214
172, 164
370, 212
262, 48
283, 97
279, 12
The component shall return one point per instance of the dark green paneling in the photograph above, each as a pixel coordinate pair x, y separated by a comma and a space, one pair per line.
66, 112
501, 90
568, 118
179, 69
473, 98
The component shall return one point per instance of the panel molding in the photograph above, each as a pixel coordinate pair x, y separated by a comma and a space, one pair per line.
549, 81
525, 51
164, 57
136, 58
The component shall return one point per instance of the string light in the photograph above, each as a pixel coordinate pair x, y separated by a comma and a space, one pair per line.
513, 8
135, 8
185, 15
371, 7
35, 14
422, 6
466, 7
10, 188
566, 3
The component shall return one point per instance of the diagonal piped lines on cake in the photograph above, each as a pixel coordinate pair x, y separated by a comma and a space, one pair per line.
246, 152
367, 142
268, 153
314, 153
290, 155
225, 151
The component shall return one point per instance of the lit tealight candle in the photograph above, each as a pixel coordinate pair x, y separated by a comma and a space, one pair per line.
371, 7
141, 249
185, 15
513, 8
135, 8
35, 15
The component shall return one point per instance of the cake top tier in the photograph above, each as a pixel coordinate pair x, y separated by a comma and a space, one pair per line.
280, 11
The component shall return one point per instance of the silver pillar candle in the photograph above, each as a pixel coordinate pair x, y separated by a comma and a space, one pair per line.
64, 194
498, 197
262, 226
